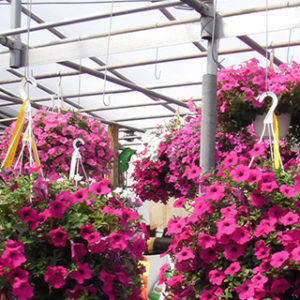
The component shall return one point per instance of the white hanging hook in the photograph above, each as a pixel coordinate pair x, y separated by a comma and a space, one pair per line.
75, 143
269, 117
25, 81
157, 74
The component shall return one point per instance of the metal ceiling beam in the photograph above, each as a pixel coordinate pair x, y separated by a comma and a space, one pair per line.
94, 59
148, 117
90, 18
124, 83
258, 48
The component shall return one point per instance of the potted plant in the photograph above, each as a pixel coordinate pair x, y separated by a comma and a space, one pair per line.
55, 133
239, 89
241, 240
58, 241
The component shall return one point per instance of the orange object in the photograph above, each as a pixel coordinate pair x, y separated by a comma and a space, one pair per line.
144, 277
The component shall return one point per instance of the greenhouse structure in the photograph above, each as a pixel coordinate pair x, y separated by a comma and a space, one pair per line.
149, 149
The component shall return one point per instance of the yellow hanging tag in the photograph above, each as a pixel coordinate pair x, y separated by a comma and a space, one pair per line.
276, 131
14, 142
178, 122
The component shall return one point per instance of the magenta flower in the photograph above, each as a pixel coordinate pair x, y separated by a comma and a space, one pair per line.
227, 225
261, 250
12, 258
207, 295
56, 276
22, 289
77, 250
246, 290
107, 279
254, 176
269, 186
257, 200
193, 172
279, 286
230, 160
17, 273
81, 195
65, 197
215, 191
83, 273
288, 191
240, 173
265, 227
180, 202
233, 251
258, 150
93, 237
185, 254
209, 255
296, 254
279, 258
100, 188
216, 276
241, 235
27, 214
259, 280
206, 241
58, 237
86, 229
289, 219
233, 268
162, 276
57, 208
118, 241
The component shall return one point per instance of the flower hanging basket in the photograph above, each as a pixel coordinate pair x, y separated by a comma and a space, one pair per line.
284, 121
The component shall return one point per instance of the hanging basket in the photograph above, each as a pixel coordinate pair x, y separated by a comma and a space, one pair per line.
284, 121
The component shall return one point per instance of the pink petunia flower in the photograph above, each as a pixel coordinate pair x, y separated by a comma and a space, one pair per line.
269, 186
261, 250
258, 150
22, 289
230, 160
193, 172
80, 195
229, 211
65, 197
233, 251
86, 229
209, 255
296, 254
259, 280
257, 200
83, 273
58, 237
77, 250
279, 286
288, 191
27, 214
185, 254
12, 258
279, 258
254, 176
241, 235
93, 237
246, 290
56, 276
215, 192
118, 241
57, 208
162, 277
216, 276
206, 241
265, 227
180, 202
208, 295
100, 188
107, 279
289, 218
226, 226
240, 173
233, 268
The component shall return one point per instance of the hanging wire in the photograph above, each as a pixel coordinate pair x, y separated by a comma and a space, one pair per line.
288, 59
105, 102
79, 81
267, 43
157, 73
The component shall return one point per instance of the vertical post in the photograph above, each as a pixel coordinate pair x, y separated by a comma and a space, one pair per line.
209, 93
16, 51
113, 133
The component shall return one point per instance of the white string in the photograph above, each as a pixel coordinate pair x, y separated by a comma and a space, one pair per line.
267, 44
107, 103
79, 83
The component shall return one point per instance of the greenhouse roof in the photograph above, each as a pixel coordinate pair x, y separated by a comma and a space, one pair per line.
134, 63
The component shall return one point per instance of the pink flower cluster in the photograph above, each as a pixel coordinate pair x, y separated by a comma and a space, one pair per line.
242, 240
55, 133
69, 242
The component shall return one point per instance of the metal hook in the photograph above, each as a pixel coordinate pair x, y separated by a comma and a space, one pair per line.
108, 102
24, 81
269, 117
157, 74
75, 143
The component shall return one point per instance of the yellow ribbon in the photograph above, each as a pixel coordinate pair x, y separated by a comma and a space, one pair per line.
14, 142
276, 152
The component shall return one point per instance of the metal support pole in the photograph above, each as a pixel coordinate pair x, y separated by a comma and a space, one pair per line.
16, 50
